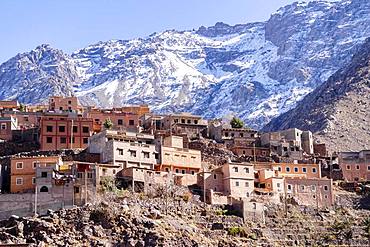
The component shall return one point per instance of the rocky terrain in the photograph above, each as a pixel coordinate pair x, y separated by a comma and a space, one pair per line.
338, 111
254, 70
137, 220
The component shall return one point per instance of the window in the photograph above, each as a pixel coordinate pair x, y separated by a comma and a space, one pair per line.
227, 134
25, 119
49, 128
304, 169
235, 169
61, 108
3, 126
289, 187
368, 168
241, 134
44, 174
120, 151
75, 129
183, 171
69, 102
63, 140
132, 153
348, 167
192, 172
237, 183
85, 140
189, 121
302, 187
79, 174
183, 121
77, 189
244, 152
176, 120
326, 196
19, 181
34, 164
120, 122
214, 176
285, 149
44, 189
156, 156
33, 180
89, 175
62, 128
313, 188
167, 170
287, 169
278, 185
246, 184
195, 121
357, 167
246, 170
326, 188
279, 168
232, 135
131, 122
177, 170
19, 165
49, 139
114, 171
146, 155
295, 169
85, 129
97, 120
313, 170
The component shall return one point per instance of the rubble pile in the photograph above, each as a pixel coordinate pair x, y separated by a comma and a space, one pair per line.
138, 220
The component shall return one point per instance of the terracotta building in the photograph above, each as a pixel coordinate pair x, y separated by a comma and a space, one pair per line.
312, 192
23, 171
64, 104
185, 124
25, 120
64, 131
355, 166
121, 120
139, 110
7, 125
9, 105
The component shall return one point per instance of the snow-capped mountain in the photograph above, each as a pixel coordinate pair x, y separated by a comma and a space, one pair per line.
256, 71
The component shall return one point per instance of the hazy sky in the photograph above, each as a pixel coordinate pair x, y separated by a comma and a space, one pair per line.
73, 24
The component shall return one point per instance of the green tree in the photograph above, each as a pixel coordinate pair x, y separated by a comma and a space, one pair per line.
236, 123
22, 107
108, 123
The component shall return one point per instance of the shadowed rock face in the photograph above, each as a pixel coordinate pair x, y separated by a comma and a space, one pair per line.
338, 111
256, 70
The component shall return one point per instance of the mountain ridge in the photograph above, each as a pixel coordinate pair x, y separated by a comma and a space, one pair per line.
255, 70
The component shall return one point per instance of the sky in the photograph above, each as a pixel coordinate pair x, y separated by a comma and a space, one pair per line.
73, 24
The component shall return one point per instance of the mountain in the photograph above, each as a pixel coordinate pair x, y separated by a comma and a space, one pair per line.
338, 111
256, 70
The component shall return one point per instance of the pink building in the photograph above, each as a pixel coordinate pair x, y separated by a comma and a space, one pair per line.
355, 165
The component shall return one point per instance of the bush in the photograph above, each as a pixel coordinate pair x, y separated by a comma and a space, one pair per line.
108, 124
237, 231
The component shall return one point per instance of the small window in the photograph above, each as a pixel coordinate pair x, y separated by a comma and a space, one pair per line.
19, 181
246, 170
132, 153
120, 122
3, 126
167, 170
348, 167
302, 187
368, 168
304, 169
192, 172
237, 183
114, 171
85, 129
357, 167
278, 185
279, 168
289, 187
34, 164
63, 140
26, 119
183, 171
189, 121
287, 169
49, 139
85, 140
177, 170
62, 128
313, 170
75, 129
89, 175
131, 122
313, 188
156, 156
97, 120
44, 174
77, 189
79, 174
195, 121
61, 108
235, 169
19, 165
214, 176
183, 121
72, 139
295, 169
326, 188
146, 155
227, 134
241, 134
69, 102
33, 180
120, 151
49, 128
246, 184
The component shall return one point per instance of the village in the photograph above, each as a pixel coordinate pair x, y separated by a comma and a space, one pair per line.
80, 148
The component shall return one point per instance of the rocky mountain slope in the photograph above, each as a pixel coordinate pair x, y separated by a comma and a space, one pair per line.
338, 111
255, 70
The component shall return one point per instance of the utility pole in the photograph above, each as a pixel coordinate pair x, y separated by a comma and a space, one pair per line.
36, 200
85, 186
72, 134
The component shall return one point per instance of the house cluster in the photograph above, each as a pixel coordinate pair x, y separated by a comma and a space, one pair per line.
141, 150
